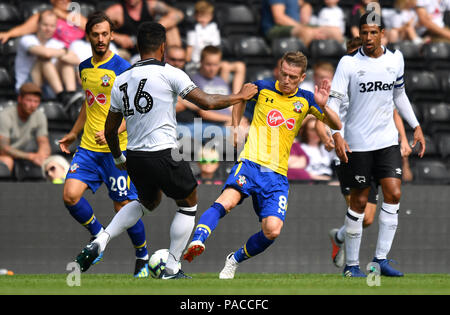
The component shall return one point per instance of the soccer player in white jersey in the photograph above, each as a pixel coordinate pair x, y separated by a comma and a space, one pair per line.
146, 95
372, 77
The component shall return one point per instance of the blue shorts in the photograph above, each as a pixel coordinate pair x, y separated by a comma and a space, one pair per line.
269, 190
95, 168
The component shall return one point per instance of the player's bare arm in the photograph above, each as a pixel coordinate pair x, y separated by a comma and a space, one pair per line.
324, 135
69, 138
216, 101
341, 147
112, 125
405, 149
321, 97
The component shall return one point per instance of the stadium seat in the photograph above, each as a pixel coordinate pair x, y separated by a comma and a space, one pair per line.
326, 50
7, 103
9, 16
26, 170
283, 45
423, 85
258, 73
437, 55
412, 54
87, 9
189, 20
6, 84
29, 8
444, 77
236, 19
443, 144
436, 112
56, 115
253, 50
430, 171
4, 172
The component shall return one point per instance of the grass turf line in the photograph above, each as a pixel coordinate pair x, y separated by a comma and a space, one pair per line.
209, 284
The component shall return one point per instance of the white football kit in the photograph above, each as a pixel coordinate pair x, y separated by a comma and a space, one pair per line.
146, 94
369, 84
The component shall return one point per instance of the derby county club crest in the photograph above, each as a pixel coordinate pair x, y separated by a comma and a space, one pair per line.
105, 80
241, 181
298, 107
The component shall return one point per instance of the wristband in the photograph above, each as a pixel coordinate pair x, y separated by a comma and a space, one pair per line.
120, 160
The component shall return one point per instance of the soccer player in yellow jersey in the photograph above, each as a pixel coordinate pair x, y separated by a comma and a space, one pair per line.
260, 172
93, 163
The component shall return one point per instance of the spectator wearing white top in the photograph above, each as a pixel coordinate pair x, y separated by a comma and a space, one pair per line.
431, 19
319, 167
206, 33
43, 59
401, 22
332, 16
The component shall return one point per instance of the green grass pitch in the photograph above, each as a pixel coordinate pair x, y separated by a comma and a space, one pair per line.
209, 284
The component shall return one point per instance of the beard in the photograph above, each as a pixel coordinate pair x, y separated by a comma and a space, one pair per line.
100, 51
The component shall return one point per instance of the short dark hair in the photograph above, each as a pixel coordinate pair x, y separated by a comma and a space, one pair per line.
371, 18
96, 18
151, 35
210, 50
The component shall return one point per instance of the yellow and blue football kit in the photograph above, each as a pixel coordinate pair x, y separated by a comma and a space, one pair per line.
93, 163
261, 170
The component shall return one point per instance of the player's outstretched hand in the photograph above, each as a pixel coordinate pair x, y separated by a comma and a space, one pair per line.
321, 93
248, 91
418, 137
66, 141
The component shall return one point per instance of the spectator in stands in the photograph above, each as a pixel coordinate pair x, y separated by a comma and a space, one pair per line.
23, 129
128, 14
402, 22
208, 79
186, 111
321, 70
319, 166
45, 61
306, 12
70, 25
297, 163
55, 169
207, 33
208, 162
431, 19
332, 16
281, 18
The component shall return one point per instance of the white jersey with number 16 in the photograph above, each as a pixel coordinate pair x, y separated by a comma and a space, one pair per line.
146, 94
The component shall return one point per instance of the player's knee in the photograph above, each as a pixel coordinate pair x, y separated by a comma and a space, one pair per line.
393, 196
272, 233
358, 203
70, 198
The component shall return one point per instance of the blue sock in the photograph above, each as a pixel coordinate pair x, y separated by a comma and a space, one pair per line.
208, 222
137, 236
83, 213
257, 243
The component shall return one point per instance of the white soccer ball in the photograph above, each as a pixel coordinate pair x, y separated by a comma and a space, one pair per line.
157, 262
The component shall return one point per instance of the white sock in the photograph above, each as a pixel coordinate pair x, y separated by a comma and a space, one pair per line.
122, 221
341, 234
180, 231
387, 226
353, 233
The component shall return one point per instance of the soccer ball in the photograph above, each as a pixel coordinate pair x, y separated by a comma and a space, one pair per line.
157, 262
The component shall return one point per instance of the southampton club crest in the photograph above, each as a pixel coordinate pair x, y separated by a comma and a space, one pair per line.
105, 80
74, 168
298, 107
241, 181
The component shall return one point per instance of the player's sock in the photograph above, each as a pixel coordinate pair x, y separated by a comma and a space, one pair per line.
123, 220
180, 231
208, 222
387, 227
353, 234
257, 243
340, 236
83, 213
137, 236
